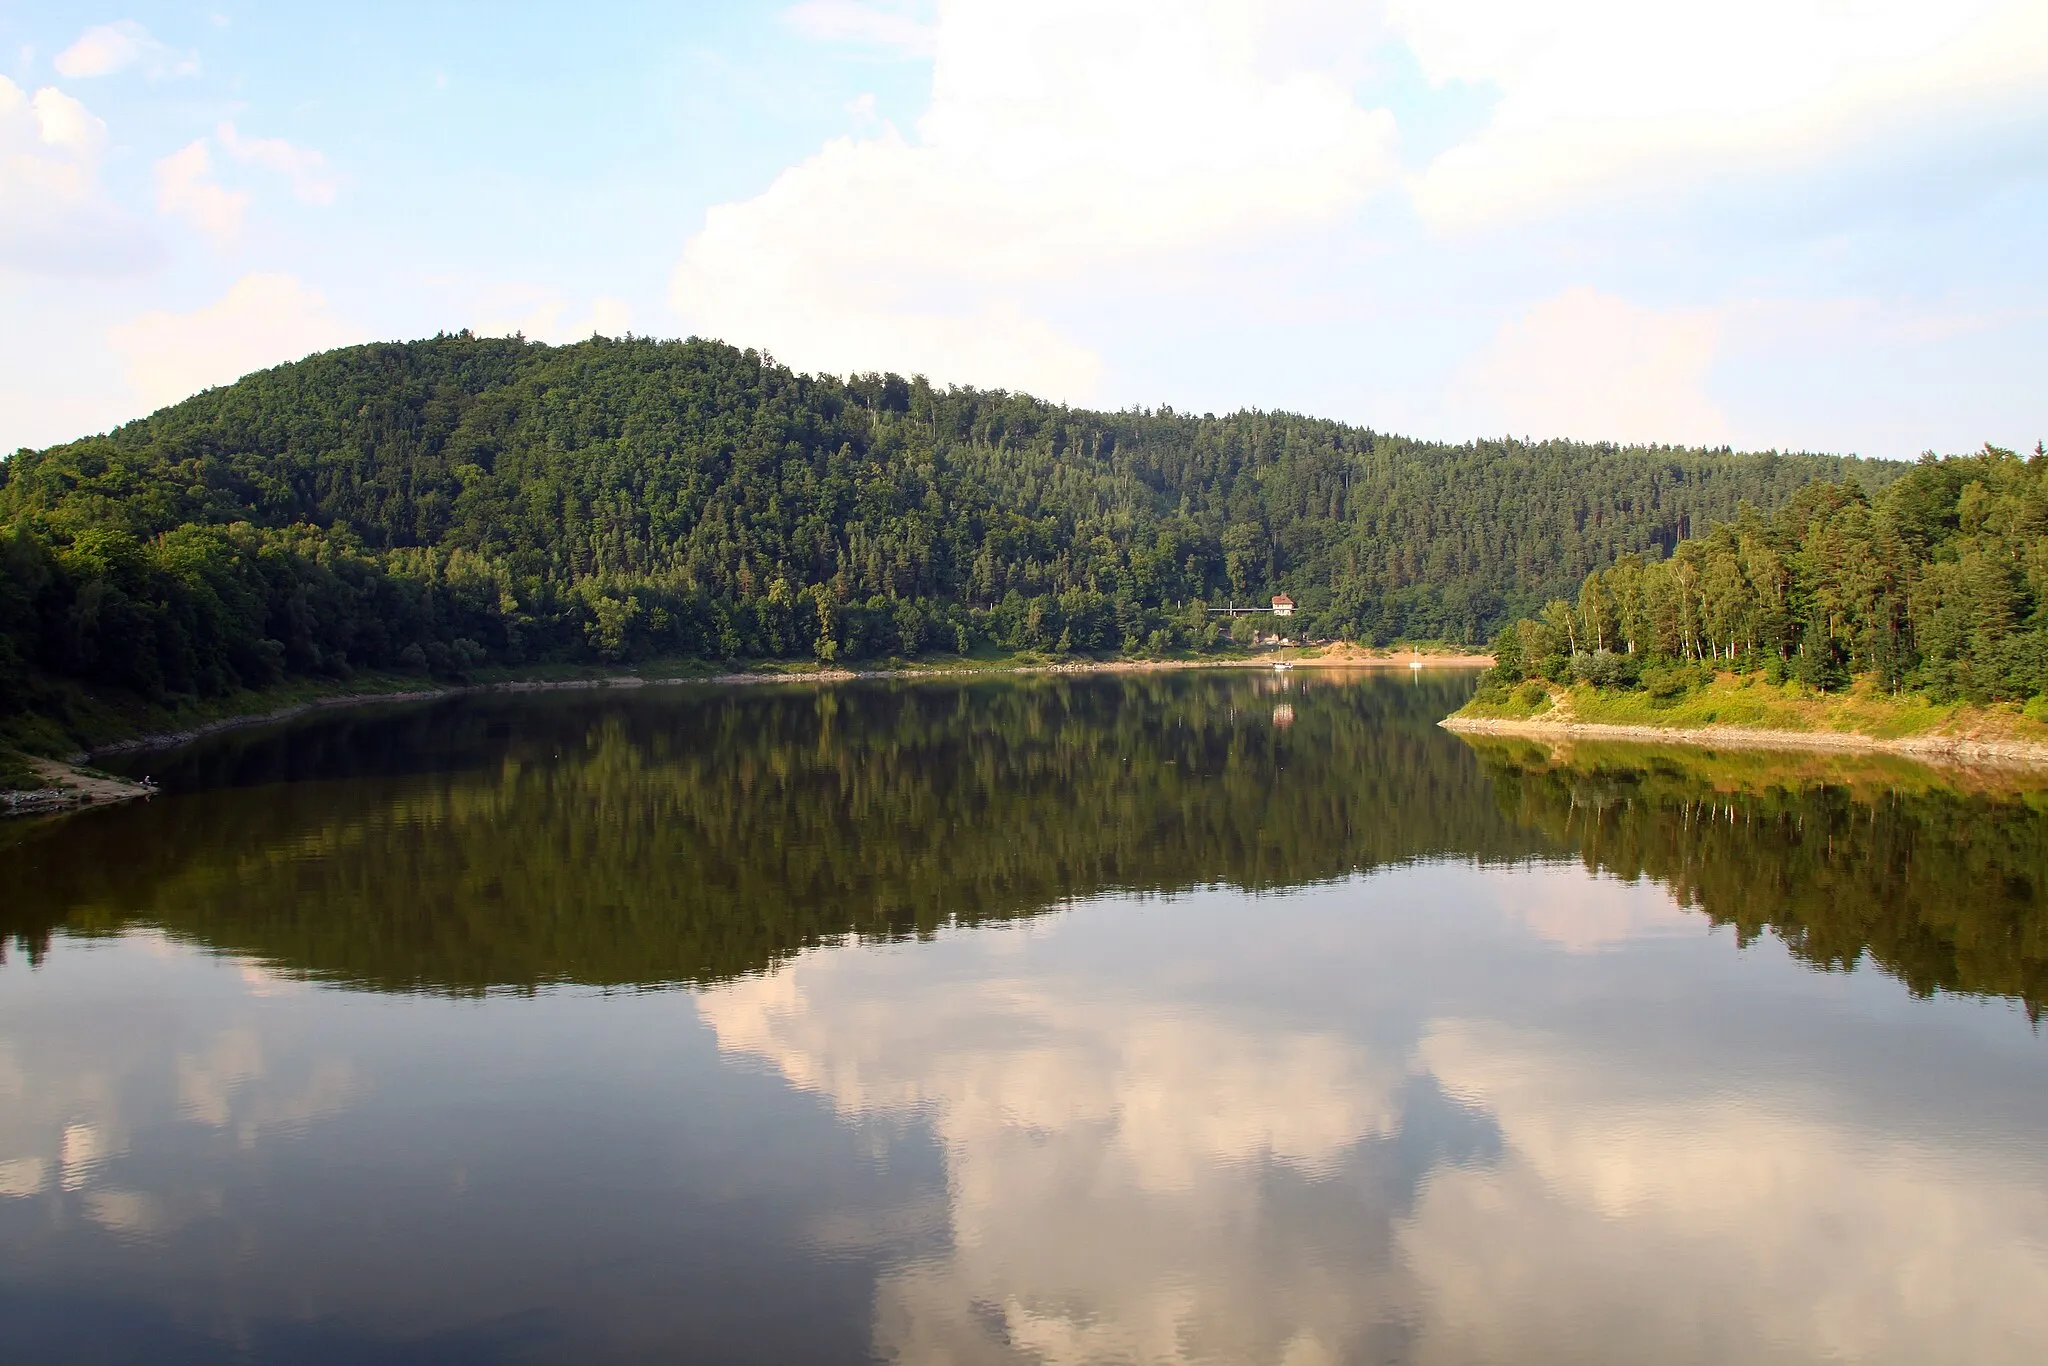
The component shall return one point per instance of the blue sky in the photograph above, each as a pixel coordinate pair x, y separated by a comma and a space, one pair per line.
1810, 224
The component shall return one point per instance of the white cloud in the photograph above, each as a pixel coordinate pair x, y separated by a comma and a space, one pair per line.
185, 188
1064, 140
541, 316
1592, 366
105, 49
65, 124
54, 212
312, 180
49, 148
846, 21
1600, 94
262, 320
1886, 376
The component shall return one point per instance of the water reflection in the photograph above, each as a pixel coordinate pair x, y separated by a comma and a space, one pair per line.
1132, 1174
646, 839
1083, 1021
1742, 1222
1939, 877
1192, 1148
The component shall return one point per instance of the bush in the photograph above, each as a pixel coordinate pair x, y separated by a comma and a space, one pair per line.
1604, 669
1669, 682
17, 776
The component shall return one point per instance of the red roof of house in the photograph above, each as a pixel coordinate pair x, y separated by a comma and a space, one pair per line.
1282, 597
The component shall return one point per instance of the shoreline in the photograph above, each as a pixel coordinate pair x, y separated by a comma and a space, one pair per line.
69, 789
1934, 749
1348, 660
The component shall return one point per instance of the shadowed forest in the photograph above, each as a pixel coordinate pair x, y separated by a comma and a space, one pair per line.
437, 506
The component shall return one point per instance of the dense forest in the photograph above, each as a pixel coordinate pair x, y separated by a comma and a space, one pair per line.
1935, 583
440, 505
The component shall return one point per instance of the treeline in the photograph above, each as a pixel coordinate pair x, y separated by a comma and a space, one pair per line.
1936, 583
439, 505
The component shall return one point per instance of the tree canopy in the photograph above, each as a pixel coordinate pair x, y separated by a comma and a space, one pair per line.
1935, 583
441, 504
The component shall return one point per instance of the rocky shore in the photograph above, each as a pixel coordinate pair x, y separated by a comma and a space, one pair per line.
1948, 749
69, 786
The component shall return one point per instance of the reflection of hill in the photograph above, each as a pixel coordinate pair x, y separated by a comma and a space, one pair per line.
1939, 880
698, 836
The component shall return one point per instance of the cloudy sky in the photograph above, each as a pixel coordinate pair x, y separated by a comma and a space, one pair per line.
1811, 224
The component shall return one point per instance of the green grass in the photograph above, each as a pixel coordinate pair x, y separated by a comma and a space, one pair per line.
16, 776
67, 718
1521, 703
1750, 702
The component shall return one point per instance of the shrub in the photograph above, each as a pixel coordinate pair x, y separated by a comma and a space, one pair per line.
1669, 682
1604, 669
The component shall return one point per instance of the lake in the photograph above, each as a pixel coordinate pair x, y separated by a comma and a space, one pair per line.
1218, 1016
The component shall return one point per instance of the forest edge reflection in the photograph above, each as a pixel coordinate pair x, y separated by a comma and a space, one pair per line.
1936, 876
691, 836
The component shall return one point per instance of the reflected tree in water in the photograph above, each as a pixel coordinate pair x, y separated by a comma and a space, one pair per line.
1936, 879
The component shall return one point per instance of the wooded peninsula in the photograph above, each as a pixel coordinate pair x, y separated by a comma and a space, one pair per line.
1917, 607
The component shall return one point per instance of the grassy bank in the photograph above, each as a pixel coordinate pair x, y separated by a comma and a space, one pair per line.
1748, 702
70, 718
16, 775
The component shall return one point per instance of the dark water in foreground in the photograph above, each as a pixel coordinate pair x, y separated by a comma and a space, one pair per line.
1233, 1018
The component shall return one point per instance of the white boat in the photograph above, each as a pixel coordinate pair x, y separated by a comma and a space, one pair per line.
1282, 664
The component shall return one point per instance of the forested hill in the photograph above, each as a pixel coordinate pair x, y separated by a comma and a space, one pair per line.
442, 503
1937, 586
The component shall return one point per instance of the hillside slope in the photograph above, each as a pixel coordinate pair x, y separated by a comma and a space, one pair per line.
434, 505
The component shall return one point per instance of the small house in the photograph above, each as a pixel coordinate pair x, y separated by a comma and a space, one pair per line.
1283, 606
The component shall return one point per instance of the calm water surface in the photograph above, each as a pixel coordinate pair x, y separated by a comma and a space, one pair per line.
1232, 1018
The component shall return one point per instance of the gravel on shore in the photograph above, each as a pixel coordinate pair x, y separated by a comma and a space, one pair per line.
1948, 749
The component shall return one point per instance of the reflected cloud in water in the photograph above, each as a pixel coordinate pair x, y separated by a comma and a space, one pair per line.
136, 1065
1177, 1171
1073, 1021
1670, 1225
